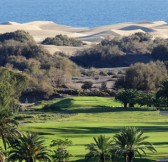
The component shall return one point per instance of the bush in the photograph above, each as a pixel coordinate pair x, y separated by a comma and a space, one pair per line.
160, 52
45, 72
87, 85
109, 53
98, 56
143, 76
18, 35
62, 40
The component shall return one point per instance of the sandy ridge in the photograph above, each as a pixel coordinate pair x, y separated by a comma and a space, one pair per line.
42, 29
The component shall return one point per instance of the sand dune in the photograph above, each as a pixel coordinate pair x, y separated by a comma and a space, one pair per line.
42, 29
136, 27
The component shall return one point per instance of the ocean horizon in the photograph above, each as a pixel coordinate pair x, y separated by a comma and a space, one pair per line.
83, 13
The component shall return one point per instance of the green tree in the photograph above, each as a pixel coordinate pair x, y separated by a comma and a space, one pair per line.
128, 96
162, 94
29, 147
100, 149
130, 141
145, 77
146, 98
12, 85
8, 128
61, 154
87, 85
18, 35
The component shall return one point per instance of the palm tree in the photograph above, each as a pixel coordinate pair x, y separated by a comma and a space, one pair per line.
8, 128
130, 141
100, 149
29, 148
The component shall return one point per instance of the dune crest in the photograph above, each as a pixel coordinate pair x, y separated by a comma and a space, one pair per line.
43, 29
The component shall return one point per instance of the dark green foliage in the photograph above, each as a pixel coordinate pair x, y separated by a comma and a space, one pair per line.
63, 40
61, 154
143, 76
18, 35
130, 142
162, 94
160, 52
100, 150
146, 99
133, 97
128, 96
87, 85
29, 148
12, 84
8, 128
61, 143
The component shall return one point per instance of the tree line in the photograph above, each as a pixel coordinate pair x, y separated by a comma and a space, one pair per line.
144, 84
123, 51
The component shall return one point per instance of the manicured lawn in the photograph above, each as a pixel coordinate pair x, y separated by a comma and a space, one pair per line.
86, 117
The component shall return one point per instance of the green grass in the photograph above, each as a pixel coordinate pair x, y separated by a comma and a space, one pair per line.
86, 117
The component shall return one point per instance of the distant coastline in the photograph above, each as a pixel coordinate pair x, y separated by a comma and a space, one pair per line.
84, 13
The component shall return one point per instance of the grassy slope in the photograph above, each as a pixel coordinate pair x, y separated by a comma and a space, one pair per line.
94, 116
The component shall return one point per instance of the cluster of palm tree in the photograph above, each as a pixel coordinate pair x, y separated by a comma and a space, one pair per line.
30, 147
126, 144
17, 146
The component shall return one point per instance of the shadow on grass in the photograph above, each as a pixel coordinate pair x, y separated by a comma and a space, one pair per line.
135, 160
143, 160
67, 106
77, 131
65, 103
80, 160
160, 143
156, 123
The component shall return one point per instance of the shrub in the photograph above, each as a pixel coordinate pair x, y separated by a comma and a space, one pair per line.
18, 35
62, 40
87, 85
142, 76
45, 72
110, 53
160, 52
126, 97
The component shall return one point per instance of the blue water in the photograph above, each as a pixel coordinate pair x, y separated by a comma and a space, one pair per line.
88, 13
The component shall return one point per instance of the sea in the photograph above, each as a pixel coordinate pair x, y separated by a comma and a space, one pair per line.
83, 13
